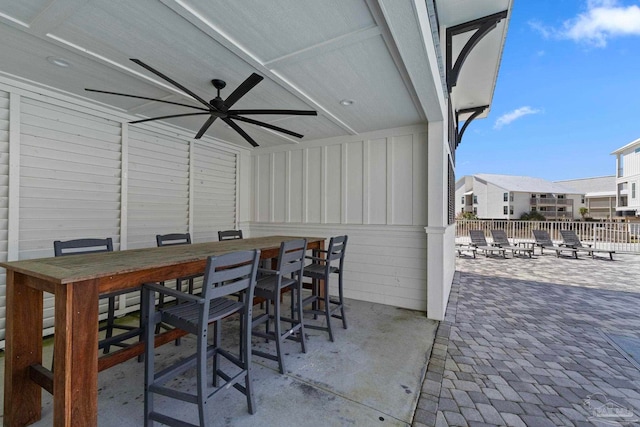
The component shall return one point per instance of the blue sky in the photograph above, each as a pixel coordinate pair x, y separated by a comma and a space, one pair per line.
567, 95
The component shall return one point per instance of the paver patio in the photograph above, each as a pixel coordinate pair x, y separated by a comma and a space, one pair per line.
536, 342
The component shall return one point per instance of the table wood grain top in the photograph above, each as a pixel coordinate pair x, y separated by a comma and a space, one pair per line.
68, 269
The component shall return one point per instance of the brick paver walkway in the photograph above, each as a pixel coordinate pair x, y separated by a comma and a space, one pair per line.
526, 342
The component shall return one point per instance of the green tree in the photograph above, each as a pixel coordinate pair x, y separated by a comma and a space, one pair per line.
466, 215
583, 211
532, 216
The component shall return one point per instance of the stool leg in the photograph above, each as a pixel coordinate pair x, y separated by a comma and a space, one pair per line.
148, 300
110, 320
278, 332
341, 297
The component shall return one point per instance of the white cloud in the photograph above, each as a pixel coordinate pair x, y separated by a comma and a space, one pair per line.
509, 117
602, 20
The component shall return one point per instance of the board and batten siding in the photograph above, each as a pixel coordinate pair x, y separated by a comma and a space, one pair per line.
70, 169
374, 190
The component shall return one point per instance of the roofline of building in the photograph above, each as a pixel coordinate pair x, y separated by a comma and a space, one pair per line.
626, 147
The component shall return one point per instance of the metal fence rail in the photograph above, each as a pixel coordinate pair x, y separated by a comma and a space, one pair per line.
617, 236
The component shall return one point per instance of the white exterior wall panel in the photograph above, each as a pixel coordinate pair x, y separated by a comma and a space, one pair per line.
495, 202
373, 190
69, 180
521, 204
4, 199
215, 198
480, 192
158, 187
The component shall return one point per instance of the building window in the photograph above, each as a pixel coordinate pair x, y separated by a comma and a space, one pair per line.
633, 190
462, 200
475, 199
505, 210
475, 211
533, 196
582, 199
533, 208
505, 197
510, 210
511, 197
560, 196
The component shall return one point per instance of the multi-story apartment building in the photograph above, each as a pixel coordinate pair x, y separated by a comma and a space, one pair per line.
628, 179
508, 197
599, 195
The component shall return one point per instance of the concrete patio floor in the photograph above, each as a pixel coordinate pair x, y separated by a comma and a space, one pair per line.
537, 342
371, 375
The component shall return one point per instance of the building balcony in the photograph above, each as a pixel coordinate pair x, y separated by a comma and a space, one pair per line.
550, 201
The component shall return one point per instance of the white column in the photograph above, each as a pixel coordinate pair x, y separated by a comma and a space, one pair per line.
440, 264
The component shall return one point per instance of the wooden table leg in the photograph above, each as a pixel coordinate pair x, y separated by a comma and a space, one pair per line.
22, 397
75, 372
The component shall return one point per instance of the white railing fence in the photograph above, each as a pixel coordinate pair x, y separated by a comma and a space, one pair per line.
617, 236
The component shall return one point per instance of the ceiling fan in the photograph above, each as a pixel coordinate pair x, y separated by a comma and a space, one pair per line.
217, 107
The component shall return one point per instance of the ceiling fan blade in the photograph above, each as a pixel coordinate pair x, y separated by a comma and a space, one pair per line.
144, 97
279, 112
173, 82
168, 117
266, 125
242, 90
205, 127
240, 131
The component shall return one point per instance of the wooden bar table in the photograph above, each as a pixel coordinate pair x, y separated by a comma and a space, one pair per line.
76, 283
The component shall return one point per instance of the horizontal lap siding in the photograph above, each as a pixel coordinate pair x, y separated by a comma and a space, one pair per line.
214, 192
158, 180
69, 180
4, 191
385, 264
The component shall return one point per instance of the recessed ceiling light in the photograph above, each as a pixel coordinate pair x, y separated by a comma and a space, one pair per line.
346, 102
60, 62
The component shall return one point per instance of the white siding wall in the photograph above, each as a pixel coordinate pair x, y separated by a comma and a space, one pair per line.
214, 185
372, 189
494, 202
631, 162
521, 204
69, 179
4, 197
480, 193
631, 174
158, 187
69, 169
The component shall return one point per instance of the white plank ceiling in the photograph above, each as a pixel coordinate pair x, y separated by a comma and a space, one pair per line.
313, 54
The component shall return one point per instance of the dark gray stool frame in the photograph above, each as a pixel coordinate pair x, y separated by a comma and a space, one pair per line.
229, 235
271, 284
224, 275
321, 269
87, 246
170, 240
